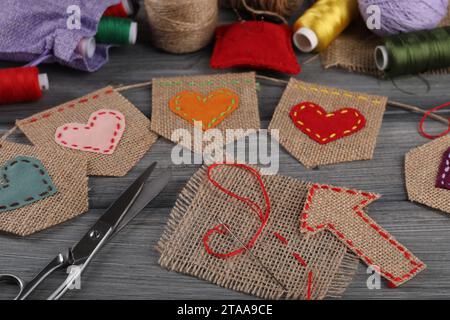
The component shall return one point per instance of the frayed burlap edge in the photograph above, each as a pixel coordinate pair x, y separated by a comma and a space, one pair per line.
339, 283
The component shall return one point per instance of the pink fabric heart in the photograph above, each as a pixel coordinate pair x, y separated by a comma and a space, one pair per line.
101, 134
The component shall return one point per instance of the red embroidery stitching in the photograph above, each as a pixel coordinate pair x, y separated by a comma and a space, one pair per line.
296, 255
263, 216
61, 109
359, 213
97, 114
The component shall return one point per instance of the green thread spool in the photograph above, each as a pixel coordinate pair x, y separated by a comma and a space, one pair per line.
414, 53
114, 30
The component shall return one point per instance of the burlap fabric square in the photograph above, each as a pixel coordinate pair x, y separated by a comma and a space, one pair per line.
357, 146
136, 140
290, 255
69, 175
354, 50
421, 171
245, 116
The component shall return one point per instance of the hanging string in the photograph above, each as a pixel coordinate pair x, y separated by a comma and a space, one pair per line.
263, 215
394, 104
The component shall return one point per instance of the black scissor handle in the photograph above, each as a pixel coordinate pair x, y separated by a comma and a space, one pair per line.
10, 278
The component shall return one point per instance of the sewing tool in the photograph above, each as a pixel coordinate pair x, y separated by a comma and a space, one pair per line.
182, 26
112, 30
402, 16
322, 23
22, 85
123, 9
116, 217
414, 53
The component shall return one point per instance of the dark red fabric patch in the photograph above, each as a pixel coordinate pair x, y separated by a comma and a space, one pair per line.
443, 178
255, 44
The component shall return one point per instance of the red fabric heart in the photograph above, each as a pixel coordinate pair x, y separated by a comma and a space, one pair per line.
255, 44
325, 127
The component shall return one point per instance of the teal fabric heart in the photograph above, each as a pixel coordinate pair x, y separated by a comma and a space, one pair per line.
24, 180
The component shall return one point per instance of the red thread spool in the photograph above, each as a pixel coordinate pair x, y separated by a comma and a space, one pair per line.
21, 85
123, 9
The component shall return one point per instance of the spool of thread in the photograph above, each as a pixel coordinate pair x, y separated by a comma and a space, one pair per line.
112, 30
413, 53
86, 47
284, 8
22, 85
122, 10
322, 23
403, 16
182, 26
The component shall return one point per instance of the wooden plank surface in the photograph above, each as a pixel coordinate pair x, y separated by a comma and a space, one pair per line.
127, 268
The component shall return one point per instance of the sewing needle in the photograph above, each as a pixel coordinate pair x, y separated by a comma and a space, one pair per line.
270, 273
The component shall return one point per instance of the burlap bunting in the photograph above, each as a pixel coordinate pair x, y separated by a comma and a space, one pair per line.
68, 173
245, 117
135, 142
359, 146
421, 170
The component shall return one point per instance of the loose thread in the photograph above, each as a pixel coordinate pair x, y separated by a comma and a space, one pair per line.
263, 12
8, 133
221, 228
428, 114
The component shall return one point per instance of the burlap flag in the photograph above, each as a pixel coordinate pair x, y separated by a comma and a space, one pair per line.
426, 168
102, 127
219, 102
354, 50
320, 264
320, 125
40, 187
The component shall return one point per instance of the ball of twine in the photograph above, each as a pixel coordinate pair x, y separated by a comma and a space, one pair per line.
182, 26
402, 16
284, 8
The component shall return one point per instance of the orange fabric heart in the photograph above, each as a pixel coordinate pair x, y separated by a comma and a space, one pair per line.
210, 110
325, 127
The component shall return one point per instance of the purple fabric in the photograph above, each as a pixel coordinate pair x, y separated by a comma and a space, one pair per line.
32, 29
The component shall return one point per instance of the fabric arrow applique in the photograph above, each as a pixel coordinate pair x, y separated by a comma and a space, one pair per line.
340, 211
325, 127
24, 180
101, 134
210, 110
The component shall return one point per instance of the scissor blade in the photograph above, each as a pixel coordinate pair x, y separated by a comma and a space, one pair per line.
149, 192
109, 221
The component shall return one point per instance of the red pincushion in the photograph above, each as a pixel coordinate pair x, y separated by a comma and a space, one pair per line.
256, 44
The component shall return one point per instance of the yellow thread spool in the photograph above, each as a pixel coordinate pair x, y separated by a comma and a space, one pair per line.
322, 23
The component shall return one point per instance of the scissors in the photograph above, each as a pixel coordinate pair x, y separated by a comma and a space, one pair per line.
130, 203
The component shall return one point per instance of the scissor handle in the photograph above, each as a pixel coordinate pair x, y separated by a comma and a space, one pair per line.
59, 262
10, 278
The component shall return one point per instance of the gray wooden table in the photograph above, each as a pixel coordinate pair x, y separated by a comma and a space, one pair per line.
127, 268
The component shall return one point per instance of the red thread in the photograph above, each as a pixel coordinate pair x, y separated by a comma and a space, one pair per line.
424, 118
281, 238
116, 11
310, 278
332, 228
19, 85
263, 215
299, 258
60, 109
